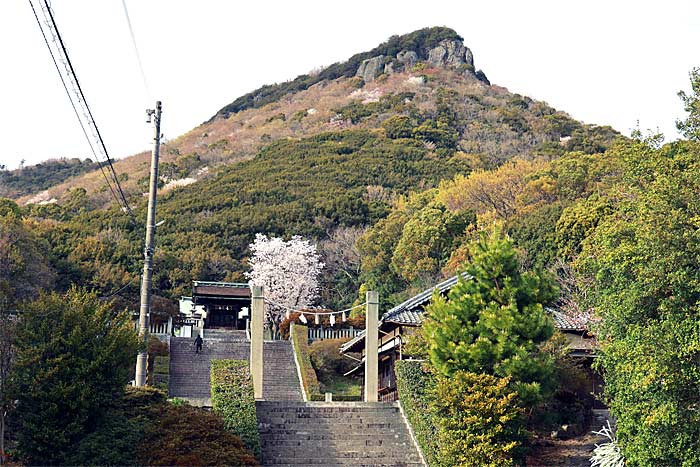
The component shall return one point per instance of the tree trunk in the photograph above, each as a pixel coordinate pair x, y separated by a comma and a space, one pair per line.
2, 436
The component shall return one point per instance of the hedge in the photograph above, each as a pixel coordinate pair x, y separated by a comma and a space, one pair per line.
161, 372
233, 399
308, 374
414, 383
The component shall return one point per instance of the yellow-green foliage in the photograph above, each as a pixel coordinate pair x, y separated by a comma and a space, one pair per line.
303, 352
233, 399
478, 421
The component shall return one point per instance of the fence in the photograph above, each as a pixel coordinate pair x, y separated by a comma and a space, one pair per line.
319, 334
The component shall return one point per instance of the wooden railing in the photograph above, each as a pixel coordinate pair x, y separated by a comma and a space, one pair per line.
318, 334
388, 394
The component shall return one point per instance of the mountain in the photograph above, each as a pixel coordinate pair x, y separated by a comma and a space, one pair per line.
432, 66
324, 156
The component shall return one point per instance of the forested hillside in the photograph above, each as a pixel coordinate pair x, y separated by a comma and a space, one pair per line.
35, 178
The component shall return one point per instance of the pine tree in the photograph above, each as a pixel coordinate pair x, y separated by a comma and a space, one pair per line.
493, 320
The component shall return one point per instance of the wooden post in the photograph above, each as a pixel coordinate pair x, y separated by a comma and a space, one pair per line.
257, 313
371, 347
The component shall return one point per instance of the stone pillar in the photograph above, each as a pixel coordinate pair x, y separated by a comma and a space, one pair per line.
371, 347
257, 314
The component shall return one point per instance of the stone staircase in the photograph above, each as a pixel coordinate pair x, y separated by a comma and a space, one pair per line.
280, 377
335, 434
190, 372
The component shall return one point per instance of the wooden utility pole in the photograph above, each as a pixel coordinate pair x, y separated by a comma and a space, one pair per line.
372, 347
145, 310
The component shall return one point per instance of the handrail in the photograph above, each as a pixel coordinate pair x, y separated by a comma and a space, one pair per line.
237, 285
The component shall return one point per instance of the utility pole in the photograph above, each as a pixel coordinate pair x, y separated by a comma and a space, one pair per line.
145, 310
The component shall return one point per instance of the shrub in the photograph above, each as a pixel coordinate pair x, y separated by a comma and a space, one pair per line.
478, 421
190, 436
161, 373
398, 126
233, 399
327, 360
415, 382
113, 439
308, 374
607, 454
73, 358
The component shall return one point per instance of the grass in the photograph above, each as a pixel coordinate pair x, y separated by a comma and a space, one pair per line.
342, 385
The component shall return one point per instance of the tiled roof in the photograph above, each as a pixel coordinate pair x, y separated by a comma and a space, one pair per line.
565, 322
411, 312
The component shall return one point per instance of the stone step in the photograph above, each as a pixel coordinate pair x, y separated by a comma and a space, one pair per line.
334, 434
190, 371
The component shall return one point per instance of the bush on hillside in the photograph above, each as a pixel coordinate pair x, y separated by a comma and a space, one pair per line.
233, 399
113, 440
185, 435
327, 360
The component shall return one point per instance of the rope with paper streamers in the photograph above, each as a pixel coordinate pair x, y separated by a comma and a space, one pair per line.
317, 314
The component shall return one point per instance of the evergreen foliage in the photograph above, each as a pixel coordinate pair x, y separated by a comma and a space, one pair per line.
643, 256
414, 381
493, 321
478, 421
73, 359
233, 400
24, 269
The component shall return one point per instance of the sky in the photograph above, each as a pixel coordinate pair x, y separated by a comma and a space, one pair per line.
604, 62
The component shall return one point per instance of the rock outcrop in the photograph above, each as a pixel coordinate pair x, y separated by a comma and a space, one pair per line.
451, 54
408, 58
371, 68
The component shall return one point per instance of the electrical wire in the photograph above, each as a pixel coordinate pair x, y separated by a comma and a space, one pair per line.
75, 109
80, 90
113, 184
136, 50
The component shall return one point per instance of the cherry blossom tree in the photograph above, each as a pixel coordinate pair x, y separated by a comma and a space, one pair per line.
288, 271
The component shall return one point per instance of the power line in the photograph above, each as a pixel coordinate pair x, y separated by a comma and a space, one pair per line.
136, 50
87, 119
92, 120
70, 98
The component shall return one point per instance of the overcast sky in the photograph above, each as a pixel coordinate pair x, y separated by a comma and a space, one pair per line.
604, 62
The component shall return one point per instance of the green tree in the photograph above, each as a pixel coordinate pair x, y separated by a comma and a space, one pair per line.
690, 127
644, 258
24, 269
73, 359
493, 320
478, 421
427, 240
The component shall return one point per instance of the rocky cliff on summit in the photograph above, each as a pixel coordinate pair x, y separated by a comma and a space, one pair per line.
449, 53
